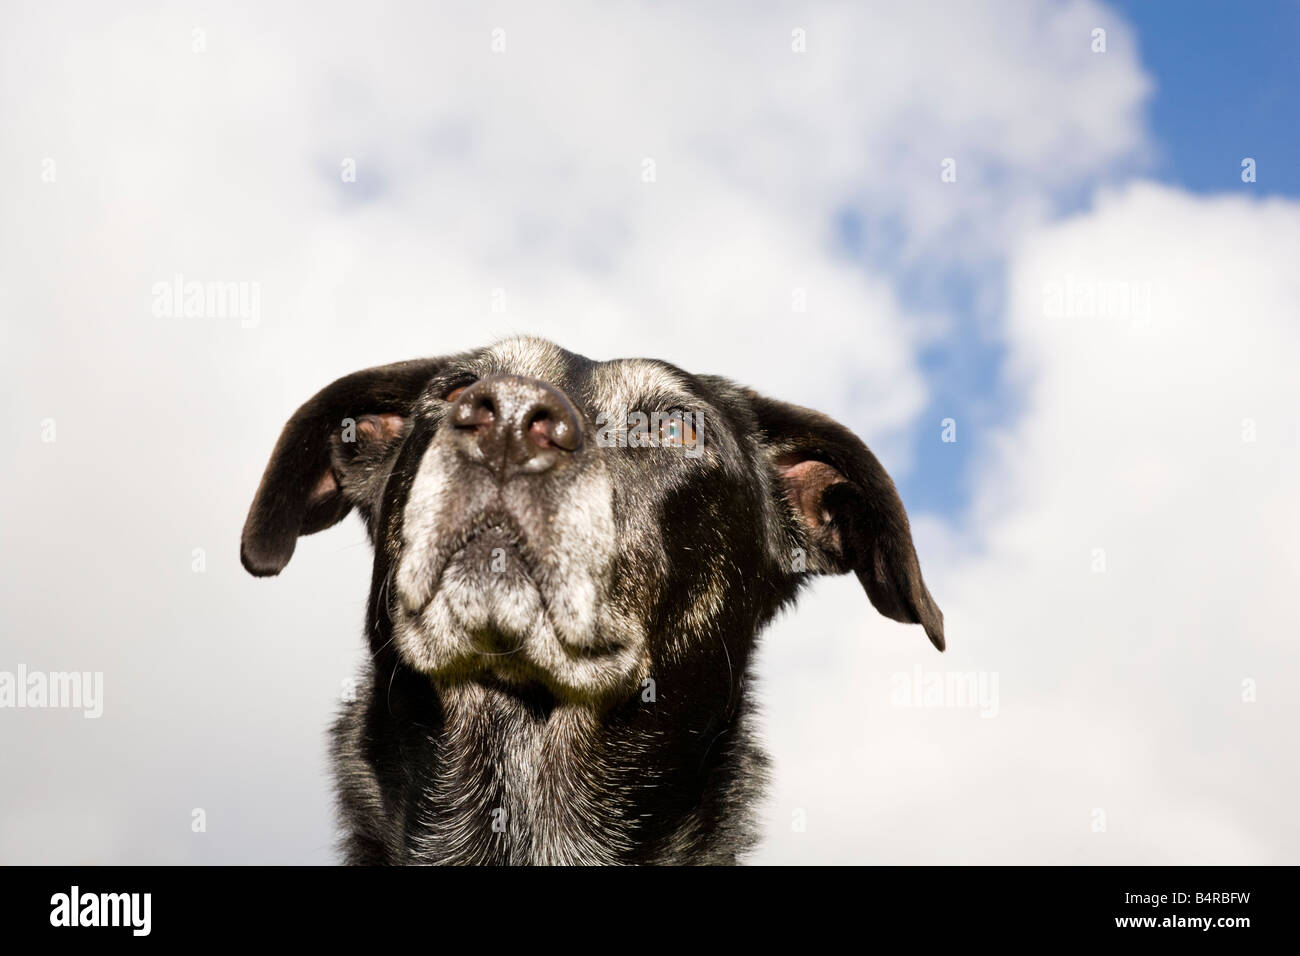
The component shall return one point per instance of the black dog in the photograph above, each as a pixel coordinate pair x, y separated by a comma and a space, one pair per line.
573, 560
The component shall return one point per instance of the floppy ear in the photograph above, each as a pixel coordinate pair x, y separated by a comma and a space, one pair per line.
306, 485
849, 510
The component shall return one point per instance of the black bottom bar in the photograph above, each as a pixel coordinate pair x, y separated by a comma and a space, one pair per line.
978, 905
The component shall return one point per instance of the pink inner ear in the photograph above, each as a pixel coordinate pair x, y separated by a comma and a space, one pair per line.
806, 480
382, 427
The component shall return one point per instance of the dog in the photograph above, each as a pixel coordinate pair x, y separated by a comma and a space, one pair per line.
573, 560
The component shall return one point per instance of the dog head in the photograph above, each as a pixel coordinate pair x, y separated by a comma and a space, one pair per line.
542, 520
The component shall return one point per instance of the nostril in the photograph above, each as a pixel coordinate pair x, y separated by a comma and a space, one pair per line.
546, 429
539, 430
472, 414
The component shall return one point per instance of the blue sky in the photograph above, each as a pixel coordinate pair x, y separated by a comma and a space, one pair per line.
1225, 87
1226, 78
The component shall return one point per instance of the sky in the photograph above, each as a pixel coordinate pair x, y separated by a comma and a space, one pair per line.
1097, 308
1223, 79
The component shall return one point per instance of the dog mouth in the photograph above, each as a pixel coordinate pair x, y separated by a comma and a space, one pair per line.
492, 547
507, 601
494, 544
495, 526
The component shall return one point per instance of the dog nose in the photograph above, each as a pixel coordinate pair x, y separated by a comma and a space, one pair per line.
514, 424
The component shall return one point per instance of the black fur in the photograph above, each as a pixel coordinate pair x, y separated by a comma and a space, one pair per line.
498, 760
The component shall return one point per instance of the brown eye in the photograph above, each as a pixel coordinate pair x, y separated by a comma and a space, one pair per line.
676, 431
455, 393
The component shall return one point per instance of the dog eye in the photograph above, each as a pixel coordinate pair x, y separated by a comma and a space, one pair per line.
676, 431
455, 393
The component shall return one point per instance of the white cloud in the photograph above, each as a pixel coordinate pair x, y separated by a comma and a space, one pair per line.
1120, 690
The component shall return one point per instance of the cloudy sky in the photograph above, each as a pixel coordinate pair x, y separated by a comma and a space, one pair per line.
1075, 253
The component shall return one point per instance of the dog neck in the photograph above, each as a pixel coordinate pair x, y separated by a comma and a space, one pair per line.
519, 782
513, 779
